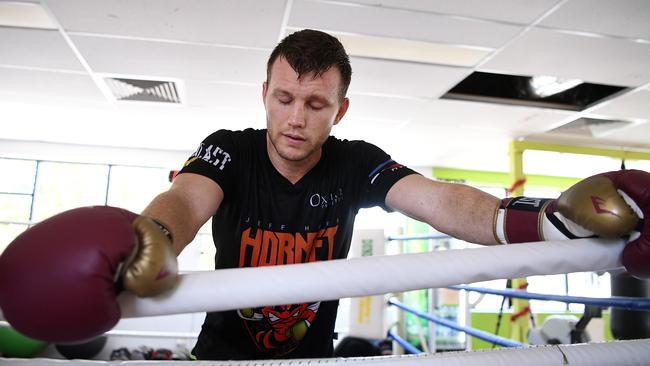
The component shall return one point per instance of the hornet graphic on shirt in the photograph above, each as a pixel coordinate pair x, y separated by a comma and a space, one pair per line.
279, 329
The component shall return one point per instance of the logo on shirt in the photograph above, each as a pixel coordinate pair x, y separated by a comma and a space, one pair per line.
388, 165
324, 200
280, 329
212, 155
261, 247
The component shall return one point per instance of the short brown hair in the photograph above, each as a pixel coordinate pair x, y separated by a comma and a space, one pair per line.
314, 51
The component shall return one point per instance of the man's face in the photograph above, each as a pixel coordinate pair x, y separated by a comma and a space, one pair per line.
300, 113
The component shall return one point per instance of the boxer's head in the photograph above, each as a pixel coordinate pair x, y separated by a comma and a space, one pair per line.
310, 51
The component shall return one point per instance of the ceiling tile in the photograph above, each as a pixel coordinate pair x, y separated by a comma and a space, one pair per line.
48, 83
521, 12
636, 135
451, 146
403, 79
404, 24
381, 110
172, 60
36, 48
191, 21
592, 59
628, 106
632, 137
234, 96
512, 121
623, 18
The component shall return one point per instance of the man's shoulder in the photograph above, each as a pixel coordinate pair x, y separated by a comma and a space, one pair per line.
349, 146
236, 139
248, 133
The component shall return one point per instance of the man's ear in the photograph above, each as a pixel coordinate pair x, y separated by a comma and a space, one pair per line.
342, 109
264, 85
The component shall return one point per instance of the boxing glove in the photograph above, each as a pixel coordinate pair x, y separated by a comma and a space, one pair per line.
611, 204
59, 280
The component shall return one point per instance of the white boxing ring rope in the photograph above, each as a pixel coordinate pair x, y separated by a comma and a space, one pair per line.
228, 289
252, 287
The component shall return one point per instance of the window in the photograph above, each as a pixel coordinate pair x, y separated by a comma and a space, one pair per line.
15, 198
133, 188
63, 186
21, 173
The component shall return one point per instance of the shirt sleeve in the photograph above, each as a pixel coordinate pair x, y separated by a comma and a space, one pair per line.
215, 158
381, 172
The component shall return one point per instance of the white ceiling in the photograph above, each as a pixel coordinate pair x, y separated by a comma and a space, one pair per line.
52, 88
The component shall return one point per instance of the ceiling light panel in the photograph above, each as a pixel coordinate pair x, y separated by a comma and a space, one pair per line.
413, 51
24, 14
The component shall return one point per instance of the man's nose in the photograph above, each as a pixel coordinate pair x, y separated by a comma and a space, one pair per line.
297, 115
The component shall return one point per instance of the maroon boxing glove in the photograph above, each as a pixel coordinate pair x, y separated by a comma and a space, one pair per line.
634, 185
59, 279
611, 204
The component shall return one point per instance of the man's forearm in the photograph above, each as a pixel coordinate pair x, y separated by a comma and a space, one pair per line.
467, 213
175, 214
459, 210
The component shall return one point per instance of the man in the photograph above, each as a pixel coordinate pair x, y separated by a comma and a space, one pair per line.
289, 194
285, 195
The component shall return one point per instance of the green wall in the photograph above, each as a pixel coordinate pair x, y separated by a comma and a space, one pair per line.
488, 321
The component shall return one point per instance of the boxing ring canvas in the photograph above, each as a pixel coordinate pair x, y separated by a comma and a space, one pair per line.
622, 353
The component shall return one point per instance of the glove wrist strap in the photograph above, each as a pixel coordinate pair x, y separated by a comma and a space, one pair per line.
164, 229
521, 219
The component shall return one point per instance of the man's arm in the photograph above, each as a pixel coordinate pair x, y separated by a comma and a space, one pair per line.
185, 207
461, 211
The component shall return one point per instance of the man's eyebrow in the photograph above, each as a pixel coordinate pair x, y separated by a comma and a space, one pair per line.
319, 99
311, 98
281, 92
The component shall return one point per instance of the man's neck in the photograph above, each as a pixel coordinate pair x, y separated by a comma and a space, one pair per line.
292, 170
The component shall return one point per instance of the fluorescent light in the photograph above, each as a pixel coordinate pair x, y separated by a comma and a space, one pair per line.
545, 86
26, 15
414, 51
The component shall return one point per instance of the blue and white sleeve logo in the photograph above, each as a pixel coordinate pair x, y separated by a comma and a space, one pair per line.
388, 165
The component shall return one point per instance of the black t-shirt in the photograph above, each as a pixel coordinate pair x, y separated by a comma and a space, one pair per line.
266, 220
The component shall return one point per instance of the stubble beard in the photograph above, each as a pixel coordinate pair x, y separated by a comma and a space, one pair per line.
293, 157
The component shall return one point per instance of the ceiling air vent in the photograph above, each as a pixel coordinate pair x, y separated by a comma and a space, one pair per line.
143, 90
589, 127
